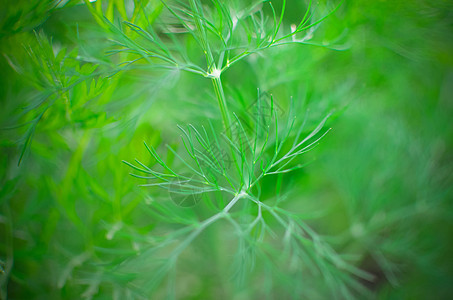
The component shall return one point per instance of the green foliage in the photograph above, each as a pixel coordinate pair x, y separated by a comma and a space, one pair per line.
225, 193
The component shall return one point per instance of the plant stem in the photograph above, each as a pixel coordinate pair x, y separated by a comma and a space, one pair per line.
220, 95
203, 225
233, 201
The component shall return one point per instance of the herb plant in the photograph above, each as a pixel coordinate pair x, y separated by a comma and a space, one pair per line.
168, 150
251, 156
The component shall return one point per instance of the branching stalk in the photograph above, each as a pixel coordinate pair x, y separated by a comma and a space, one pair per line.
206, 223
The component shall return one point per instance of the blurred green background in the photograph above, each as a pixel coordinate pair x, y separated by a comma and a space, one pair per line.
379, 189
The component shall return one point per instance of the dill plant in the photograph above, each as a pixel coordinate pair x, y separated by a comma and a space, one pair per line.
230, 182
273, 246
230, 206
